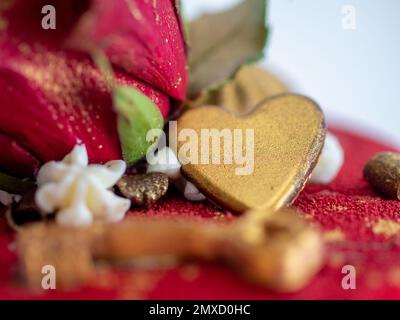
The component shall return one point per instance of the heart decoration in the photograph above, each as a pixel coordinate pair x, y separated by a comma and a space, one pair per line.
289, 133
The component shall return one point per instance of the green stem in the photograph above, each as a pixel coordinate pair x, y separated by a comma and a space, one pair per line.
104, 65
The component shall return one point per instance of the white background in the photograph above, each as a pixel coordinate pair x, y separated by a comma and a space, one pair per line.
353, 74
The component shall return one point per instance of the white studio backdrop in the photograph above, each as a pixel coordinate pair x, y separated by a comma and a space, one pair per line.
343, 54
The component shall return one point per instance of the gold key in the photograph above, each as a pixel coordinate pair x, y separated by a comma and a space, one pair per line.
278, 250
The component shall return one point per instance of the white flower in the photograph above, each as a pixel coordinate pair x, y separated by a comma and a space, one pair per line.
79, 193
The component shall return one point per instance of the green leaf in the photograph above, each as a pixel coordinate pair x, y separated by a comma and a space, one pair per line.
137, 114
15, 185
220, 43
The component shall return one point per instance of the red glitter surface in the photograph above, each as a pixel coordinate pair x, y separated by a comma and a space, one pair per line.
347, 206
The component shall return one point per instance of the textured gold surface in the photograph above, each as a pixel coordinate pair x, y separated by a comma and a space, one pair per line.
383, 173
289, 135
250, 86
144, 189
48, 244
279, 251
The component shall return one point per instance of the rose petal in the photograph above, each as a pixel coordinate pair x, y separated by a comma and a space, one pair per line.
141, 37
53, 100
24, 19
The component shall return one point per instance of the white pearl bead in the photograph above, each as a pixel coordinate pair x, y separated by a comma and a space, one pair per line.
192, 193
330, 161
165, 161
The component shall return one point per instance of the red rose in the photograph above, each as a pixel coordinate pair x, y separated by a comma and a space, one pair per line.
52, 96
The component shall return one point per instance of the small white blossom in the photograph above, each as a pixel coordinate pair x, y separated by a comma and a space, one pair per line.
80, 193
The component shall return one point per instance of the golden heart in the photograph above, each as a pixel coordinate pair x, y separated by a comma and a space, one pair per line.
258, 161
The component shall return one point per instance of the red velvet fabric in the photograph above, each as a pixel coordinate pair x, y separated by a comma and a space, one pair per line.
347, 211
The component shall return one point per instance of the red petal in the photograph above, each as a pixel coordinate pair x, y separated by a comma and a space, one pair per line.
53, 100
144, 38
24, 19
141, 37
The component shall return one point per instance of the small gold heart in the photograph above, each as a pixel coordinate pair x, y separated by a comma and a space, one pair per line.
289, 132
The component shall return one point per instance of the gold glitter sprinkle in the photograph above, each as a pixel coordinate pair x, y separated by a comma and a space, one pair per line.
386, 227
58, 77
334, 235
